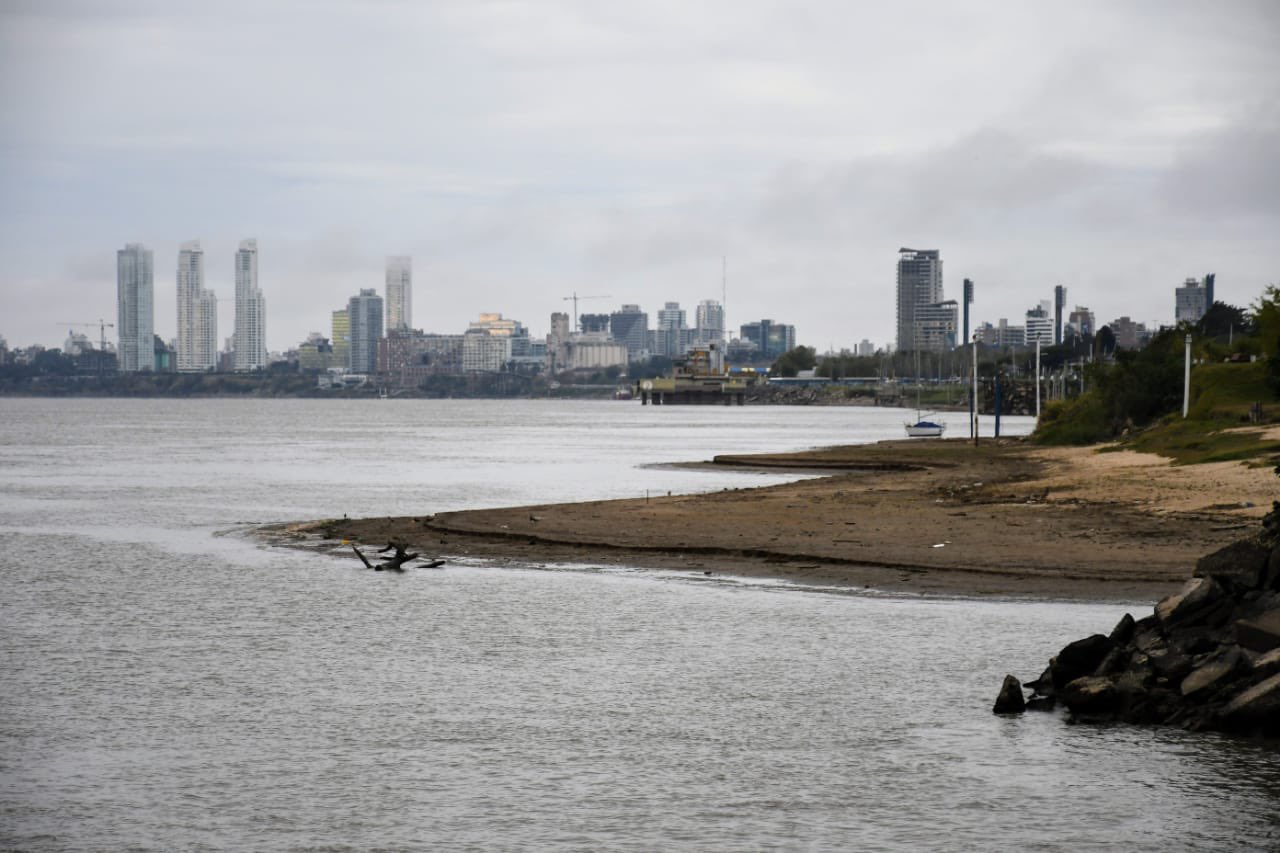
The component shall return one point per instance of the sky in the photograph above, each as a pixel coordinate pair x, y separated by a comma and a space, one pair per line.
777, 154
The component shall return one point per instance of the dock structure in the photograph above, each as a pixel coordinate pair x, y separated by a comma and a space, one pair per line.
699, 378
704, 390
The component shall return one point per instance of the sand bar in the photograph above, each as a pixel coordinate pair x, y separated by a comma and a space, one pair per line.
926, 516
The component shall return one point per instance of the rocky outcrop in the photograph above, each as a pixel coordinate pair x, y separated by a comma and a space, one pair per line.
1208, 657
1010, 700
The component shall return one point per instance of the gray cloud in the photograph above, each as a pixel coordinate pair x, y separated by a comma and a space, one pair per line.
520, 152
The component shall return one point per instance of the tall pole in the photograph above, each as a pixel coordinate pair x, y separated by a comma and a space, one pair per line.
1186, 380
973, 402
1037, 379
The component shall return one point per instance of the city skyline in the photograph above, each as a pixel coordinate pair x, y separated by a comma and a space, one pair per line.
629, 152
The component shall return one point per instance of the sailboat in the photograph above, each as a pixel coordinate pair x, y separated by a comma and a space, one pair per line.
923, 428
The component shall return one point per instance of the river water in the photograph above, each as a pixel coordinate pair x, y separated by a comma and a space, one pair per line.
167, 683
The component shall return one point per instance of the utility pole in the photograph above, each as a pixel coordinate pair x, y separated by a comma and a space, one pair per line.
973, 402
1186, 380
1037, 380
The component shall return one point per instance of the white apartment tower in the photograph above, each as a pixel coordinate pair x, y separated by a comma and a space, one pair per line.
135, 308
919, 288
251, 311
399, 293
197, 313
710, 321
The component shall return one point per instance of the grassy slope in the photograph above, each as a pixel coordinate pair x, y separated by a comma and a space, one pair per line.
1216, 428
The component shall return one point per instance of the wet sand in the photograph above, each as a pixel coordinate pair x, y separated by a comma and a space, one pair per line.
1004, 519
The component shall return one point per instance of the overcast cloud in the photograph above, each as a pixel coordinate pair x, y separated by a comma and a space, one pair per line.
522, 151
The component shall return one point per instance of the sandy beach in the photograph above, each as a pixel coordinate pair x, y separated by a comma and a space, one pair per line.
931, 517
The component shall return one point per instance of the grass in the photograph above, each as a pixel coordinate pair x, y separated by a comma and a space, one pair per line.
1216, 428
1190, 442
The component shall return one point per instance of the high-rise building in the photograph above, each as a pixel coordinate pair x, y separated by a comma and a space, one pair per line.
630, 326
672, 335
771, 339
1002, 335
251, 311
1129, 334
1040, 324
919, 284
135, 308
399, 292
1191, 301
340, 337
1059, 303
1081, 323
709, 322
197, 313
365, 313
936, 325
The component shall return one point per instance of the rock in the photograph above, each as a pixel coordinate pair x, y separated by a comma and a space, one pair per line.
1123, 632
1271, 579
1010, 700
1256, 710
1197, 597
1041, 703
1044, 684
1267, 664
1170, 664
1090, 695
1240, 565
1261, 633
1147, 634
1216, 672
1115, 661
1080, 658
1196, 641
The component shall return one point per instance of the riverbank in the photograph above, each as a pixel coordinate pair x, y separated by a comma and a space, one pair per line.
933, 517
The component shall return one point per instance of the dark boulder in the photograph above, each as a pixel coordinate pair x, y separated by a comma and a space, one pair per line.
1170, 665
1010, 700
1261, 633
1043, 686
1198, 598
1115, 661
1124, 630
1271, 578
1239, 566
1266, 665
1080, 658
1091, 696
1256, 710
1041, 703
1214, 673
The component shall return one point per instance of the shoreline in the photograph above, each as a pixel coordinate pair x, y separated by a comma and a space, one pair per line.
929, 517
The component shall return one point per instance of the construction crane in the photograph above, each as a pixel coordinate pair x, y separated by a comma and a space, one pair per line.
575, 297
102, 325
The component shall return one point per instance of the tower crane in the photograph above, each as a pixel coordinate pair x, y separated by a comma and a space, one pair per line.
102, 325
575, 297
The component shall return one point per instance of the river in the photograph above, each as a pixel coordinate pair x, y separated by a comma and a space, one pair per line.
168, 683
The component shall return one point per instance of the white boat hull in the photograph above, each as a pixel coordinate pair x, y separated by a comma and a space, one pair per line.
925, 430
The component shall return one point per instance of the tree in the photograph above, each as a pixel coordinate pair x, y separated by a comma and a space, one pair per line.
1224, 321
1104, 343
1265, 314
1266, 320
791, 362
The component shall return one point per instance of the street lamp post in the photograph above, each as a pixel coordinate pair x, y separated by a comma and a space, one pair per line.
1186, 379
973, 403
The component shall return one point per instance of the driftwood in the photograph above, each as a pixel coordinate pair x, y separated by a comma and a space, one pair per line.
394, 563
